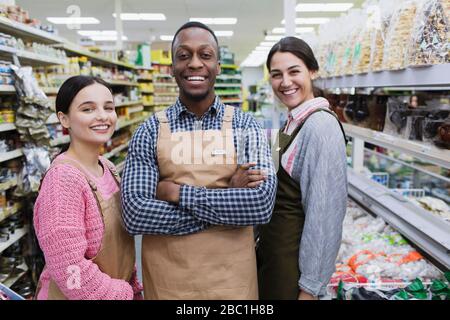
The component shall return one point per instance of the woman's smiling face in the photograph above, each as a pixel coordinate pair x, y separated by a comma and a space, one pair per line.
290, 79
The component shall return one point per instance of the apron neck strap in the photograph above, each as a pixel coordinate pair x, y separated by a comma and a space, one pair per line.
228, 118
163, 122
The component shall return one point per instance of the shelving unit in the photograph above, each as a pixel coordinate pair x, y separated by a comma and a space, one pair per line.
11, 155
228, 85
428, 76
7, 127
427, 231
165, 87
10, 211
10, 281
18, 234
432, 154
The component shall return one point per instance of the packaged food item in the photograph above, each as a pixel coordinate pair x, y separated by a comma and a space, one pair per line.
431, 35
399, 36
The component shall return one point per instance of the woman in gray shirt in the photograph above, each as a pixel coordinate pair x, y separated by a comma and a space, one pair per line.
298, 248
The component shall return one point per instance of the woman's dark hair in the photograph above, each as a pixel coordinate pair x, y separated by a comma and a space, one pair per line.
70, 89
68, 92
297, 47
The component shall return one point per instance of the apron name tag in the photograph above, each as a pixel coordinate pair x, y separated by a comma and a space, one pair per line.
218, 152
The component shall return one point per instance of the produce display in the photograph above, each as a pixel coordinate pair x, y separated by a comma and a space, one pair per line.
373, 255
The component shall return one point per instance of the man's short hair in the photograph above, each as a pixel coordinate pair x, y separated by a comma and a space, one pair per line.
196, 24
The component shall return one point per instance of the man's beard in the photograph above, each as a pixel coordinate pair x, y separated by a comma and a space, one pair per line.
195, 97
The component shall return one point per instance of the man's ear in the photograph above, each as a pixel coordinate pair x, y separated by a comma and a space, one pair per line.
64, 119
219, 68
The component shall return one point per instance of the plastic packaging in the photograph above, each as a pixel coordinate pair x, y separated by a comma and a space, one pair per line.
399, 36
430, 39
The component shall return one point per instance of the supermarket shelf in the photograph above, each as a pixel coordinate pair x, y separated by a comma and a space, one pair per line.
23, 31
7, 127
435, 75
10, 281
4, 88
162, 75
229, 77
143, 68
115, 151
227, 85
129, 103
18, 234
122, 83
232, 101
428, 232
419, 150
162, 84
8, 184
148, 104
72, 48
38, 59
135, 109
229, 66
5, 156
125, 123
59, 141
30, 58
167, 94
409, 165
147, 91
231, 93
9, 212
145, 78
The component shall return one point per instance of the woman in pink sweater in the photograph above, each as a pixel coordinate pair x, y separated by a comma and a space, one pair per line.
77, 215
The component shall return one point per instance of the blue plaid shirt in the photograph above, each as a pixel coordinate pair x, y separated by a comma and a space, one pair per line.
199, 207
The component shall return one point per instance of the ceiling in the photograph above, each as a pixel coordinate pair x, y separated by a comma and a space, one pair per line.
255, 17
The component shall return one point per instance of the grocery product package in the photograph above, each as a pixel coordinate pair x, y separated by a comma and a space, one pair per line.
396, 117
382, 15
362, 50
356, 24
399, 36
431, 34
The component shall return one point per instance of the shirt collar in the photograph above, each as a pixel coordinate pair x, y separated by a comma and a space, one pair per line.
181, 109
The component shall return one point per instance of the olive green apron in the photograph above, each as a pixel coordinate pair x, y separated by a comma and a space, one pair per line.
279, 240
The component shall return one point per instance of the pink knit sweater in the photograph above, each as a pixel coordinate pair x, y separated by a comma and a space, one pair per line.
69, 229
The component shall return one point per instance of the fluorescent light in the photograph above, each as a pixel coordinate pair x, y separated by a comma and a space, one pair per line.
73, 20
297, 30
215, 20
107, 38
166, 38
323, 7
223, 33
309, 20
273, 38
88, 33
141, 16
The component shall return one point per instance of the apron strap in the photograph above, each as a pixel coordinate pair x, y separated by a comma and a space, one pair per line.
227, 121
164, 126
111, 169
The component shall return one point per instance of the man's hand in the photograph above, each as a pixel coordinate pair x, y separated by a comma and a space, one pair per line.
306, 296
246, 178
168, 191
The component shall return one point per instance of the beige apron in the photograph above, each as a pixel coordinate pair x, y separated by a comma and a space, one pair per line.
215, 264
116, 256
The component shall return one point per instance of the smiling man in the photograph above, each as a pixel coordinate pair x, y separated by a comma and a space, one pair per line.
180, 185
